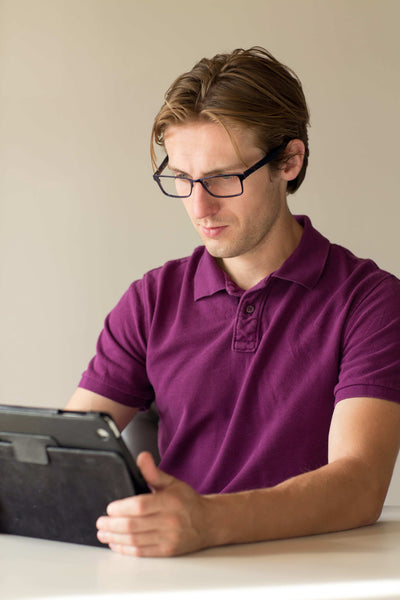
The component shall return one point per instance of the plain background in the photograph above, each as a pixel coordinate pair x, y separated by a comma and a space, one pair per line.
80, 216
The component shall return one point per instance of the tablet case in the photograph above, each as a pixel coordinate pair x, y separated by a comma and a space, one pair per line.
58, 472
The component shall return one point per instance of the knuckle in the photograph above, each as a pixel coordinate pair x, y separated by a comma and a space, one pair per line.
173, 523
141, 505
169, 549
119, 525
175, 541
131, 539
131, 525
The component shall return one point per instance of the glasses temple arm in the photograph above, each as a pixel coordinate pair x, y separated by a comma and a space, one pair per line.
268, 158
162, 166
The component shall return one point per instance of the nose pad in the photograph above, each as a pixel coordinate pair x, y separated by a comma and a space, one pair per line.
203, 204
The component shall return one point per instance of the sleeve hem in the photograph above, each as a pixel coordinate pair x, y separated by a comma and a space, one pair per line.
367, 391
99, 387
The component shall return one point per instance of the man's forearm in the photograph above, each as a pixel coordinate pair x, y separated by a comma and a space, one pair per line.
337, 496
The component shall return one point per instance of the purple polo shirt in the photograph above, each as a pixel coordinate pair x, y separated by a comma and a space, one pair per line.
246, 381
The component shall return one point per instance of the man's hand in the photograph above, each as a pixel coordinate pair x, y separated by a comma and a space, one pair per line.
170, 521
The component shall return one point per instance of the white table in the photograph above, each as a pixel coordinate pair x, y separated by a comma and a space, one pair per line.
358, 564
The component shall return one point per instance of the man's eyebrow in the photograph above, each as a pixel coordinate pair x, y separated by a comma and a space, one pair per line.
172, 168
237, 168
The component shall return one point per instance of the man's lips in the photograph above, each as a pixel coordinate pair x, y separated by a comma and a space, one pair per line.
212, 232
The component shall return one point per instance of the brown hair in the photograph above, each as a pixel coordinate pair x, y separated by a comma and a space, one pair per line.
246, 87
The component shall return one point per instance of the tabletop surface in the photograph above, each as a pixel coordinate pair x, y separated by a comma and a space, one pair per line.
357, 564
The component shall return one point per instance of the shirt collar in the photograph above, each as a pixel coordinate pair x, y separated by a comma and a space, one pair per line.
209, 278
304, 266
307, 263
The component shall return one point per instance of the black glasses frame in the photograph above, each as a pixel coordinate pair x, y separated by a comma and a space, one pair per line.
202, 180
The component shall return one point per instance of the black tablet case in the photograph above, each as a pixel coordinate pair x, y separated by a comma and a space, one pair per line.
59, 471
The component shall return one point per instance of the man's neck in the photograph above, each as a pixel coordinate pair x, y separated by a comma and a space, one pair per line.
248, 270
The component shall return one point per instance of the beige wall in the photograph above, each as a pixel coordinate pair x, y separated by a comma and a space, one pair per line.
80, 217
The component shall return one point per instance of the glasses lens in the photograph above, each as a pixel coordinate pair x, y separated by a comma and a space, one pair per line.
175, 186
223, 185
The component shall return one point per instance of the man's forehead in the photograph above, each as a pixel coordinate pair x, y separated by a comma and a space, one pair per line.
224, 131
203, 140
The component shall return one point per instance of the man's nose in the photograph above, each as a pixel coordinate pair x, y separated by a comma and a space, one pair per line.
203, 204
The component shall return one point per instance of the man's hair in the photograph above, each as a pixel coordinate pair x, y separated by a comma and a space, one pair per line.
249, 88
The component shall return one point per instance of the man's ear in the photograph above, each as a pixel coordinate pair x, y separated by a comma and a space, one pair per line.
293, 161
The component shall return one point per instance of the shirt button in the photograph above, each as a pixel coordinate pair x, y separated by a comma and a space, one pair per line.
250, 308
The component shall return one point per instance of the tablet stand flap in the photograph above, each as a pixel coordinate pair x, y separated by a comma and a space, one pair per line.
29, 448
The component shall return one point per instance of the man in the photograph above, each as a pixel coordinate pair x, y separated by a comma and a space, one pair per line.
272, 355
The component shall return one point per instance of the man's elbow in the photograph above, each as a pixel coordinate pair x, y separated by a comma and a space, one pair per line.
366, 495
371, 500
373, 512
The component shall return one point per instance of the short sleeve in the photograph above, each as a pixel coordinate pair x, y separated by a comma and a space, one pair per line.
118, 369
370, 360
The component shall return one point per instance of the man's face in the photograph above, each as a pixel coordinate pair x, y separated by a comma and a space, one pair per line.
229, 227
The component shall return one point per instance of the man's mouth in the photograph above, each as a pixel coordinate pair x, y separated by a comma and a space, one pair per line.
212, 232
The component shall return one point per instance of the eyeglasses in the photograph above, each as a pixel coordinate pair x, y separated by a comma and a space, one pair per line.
226, 185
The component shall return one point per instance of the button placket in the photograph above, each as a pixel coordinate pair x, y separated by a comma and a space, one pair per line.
245, 337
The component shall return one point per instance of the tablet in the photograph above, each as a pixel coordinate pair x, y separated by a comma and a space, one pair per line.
59, 470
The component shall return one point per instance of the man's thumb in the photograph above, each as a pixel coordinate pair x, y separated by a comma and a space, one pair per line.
155, 478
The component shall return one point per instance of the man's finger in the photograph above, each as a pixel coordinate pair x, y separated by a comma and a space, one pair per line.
138, 540
144, 551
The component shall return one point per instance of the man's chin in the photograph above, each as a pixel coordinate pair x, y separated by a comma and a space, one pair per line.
219, 251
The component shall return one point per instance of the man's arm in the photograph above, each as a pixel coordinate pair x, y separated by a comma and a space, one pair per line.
346, 493
84, 400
